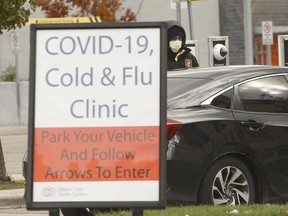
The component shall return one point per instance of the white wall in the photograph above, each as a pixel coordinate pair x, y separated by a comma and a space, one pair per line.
8, 103
205, 17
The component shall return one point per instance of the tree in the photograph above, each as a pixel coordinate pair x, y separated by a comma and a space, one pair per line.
2, 165
15, 13
107, 10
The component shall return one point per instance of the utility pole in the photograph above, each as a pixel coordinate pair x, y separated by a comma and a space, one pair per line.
15, 47
178, 14
248, 35
0, 58
190, 18
178, 11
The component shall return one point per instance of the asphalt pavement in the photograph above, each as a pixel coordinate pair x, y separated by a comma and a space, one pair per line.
12, 201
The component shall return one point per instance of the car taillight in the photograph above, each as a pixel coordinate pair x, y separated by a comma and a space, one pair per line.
172, 128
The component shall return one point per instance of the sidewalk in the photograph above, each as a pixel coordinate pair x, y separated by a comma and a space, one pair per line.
11, 201
13, 130
20, 210
11, 197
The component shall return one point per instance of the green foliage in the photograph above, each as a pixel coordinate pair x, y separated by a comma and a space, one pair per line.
15, 13
11, 184
9, 75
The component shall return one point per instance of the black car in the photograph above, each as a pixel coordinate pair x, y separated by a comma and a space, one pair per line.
228, 135
227, 130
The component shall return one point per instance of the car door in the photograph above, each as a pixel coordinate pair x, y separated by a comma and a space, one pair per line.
261, 112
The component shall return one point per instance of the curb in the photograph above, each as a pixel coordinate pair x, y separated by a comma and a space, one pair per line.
12, 197
13, 130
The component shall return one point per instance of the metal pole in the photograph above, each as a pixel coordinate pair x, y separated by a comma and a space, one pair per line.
190, 19
178, 11
248, 34
0, 58
137, 212
54, 212
268, 55
17, 86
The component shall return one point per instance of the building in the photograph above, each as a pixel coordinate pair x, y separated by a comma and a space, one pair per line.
146, 10
231, 22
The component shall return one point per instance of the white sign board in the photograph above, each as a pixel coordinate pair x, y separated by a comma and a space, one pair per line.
267, 32
97, 108
14, 36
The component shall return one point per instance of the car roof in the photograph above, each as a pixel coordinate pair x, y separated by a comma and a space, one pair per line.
236, 71
201, 83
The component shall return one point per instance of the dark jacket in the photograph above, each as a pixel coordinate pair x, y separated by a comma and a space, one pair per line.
184, 58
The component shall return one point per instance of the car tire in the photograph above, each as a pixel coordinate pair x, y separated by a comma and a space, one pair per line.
227, 182
75, 212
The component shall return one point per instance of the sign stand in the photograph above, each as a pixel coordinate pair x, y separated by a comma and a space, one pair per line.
54, 212
15, 47
137, 212
267, 39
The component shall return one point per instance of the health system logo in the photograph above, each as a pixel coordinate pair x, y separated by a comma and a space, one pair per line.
49, 191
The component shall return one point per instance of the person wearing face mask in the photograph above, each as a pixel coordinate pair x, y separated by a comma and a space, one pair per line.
179, 56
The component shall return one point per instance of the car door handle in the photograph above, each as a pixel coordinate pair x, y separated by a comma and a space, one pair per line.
253, 125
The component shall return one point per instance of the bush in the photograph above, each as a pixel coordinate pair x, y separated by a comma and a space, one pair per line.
9, 75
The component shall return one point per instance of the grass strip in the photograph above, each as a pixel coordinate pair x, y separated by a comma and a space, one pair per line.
9, 185
251, 210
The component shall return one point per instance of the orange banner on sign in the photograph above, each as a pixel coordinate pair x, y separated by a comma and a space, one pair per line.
96, 154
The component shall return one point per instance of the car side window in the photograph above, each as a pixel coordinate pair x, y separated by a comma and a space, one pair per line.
223, 100
268, 94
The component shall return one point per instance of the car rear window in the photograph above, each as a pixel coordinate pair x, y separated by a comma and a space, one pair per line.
177, 87
187, 92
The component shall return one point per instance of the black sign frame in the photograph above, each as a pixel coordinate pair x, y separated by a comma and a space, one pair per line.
161, 202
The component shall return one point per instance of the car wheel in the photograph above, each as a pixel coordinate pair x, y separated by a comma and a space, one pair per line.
227, 182
75, 212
